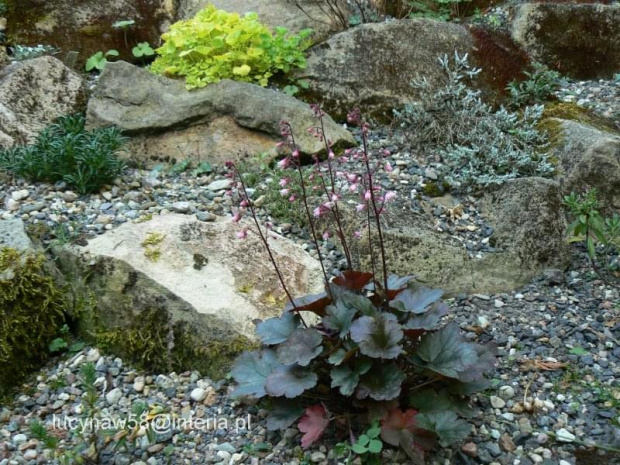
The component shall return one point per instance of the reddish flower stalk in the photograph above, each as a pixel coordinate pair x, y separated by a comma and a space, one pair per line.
247, 201
304, 196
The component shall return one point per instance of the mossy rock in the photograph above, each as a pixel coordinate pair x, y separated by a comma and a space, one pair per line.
31, 314
86, 27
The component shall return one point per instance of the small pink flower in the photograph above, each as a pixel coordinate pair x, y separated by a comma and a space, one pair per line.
331, 155
237, 216
389, 196
335, 198
285, 192
360, 207
284, 163
352, 177
388, 167
357, 234
386, 153
353, 187
318, 211
244, 203
292, 198
242, 234
296, 154
326, 235
367, 195
283, 182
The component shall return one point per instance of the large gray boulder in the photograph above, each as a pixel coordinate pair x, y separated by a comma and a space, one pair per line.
13, 235
588, 157
528, 220
33, 94
371, 66
580, 40
222, 121
272, 13
208, 285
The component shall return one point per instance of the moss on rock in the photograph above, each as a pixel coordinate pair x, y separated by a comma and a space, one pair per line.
31, 314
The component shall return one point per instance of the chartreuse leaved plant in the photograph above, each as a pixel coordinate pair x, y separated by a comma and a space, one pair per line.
378, 352
216, 45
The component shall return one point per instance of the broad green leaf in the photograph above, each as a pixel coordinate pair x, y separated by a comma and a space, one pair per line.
278, 329
375, 446
382, 382
429, 400
337, 357
112, 53
251, 371
94, 61
416, 300
446, 425
290, 381
242, 70
339, 317
378, 337
283, 415
301, 347
359, 302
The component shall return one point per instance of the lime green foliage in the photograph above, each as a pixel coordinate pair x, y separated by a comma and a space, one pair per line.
99, 60
66, 151
31, 314
150, 244
218, 45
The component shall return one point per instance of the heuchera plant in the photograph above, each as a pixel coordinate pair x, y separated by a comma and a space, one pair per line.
379, 350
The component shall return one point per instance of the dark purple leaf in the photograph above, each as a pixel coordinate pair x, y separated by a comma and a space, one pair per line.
315, 303
303, 345
428, 320
346, 377
290, 381
251, 370
278, 329
446, 425
339, 317
395, 284
416, 300
283, 415
446, 352
382, 382
378, 337
354, 280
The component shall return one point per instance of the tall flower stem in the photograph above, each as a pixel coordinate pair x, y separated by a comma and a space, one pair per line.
265, 241
375, 209
304, 197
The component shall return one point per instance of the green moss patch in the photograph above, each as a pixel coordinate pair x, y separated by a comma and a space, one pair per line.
31, 314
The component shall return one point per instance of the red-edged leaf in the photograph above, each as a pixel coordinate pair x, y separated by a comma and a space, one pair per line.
396, 284
399, 428
354, 280
312, 424
394, 422
310, 303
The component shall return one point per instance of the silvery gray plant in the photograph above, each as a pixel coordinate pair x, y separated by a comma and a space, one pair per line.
479, 145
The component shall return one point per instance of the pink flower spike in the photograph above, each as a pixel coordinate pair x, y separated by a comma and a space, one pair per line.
285, 192
389, 196
242, 234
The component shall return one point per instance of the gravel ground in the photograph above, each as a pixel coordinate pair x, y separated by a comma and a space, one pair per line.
602, 96
555, 388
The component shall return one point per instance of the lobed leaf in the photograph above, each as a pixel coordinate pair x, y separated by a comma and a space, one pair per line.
445, 425
429, 319
283, 415
251, 371
339, 317
378, 337
289, 381
346, 378
416, 300
354, 280
382, 382
301, 347
278, 329
315, 303
313, 424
